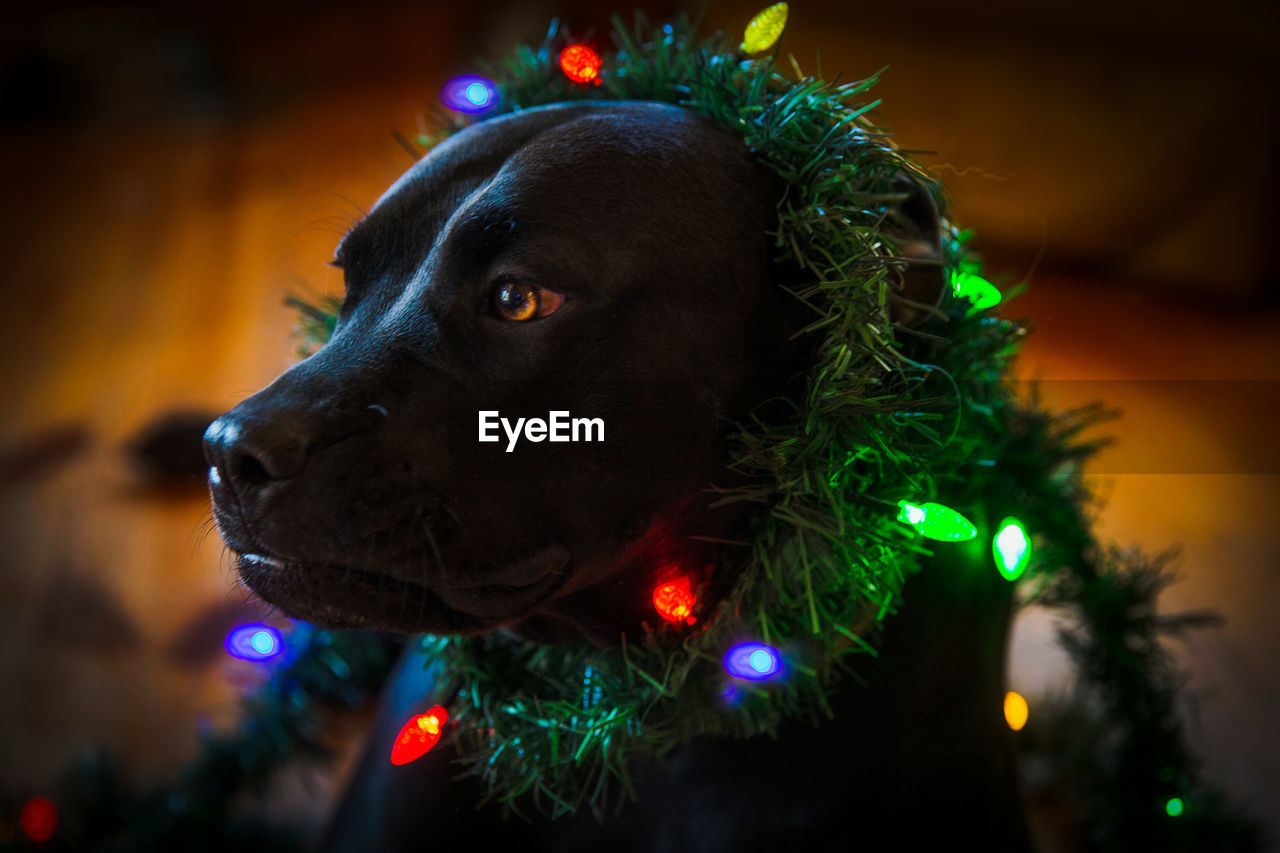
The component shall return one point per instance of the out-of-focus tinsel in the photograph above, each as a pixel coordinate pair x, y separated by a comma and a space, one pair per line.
209, 807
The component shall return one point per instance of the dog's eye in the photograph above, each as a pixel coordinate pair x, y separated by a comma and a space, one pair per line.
521, 301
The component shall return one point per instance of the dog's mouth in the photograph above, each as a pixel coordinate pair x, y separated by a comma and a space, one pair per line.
341, 596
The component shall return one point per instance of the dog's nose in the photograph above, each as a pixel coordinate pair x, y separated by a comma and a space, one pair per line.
250, 452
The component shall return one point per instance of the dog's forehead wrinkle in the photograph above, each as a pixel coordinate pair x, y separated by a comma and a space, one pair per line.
407, 221
471, 217
409, 320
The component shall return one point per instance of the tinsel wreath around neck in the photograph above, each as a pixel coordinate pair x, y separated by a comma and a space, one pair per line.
892, 425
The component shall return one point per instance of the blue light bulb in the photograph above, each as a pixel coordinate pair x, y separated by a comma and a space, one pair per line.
753, 661
254, 641
469, 94
262, 642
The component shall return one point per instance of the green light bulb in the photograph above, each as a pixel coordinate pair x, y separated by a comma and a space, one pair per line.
1011, 548
975, 288
910, 513
936, 521
1173, 808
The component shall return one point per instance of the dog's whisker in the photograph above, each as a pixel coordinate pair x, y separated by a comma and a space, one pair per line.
451, 512
719, 541
423, 591
343, 221
199, 533
435, 550
404, 143
339, 225
404, 599
360, 209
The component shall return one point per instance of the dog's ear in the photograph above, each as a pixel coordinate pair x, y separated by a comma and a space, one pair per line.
913, 224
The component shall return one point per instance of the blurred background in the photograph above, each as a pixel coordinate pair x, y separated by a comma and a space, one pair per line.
171, 171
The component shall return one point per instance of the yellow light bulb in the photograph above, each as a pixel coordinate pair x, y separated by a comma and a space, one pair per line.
1015, 710
764, 29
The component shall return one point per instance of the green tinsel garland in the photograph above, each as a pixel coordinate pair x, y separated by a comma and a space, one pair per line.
886, 415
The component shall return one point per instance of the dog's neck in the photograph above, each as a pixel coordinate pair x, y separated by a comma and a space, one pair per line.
693, 541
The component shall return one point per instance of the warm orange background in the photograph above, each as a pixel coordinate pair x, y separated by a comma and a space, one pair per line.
168, 175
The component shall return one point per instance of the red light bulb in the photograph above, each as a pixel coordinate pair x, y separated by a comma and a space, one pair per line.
580, 64
674, 600
418, 735
39, 819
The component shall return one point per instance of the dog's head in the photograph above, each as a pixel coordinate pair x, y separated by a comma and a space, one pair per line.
605, 260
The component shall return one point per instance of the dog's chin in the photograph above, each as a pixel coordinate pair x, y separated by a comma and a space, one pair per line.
337, 596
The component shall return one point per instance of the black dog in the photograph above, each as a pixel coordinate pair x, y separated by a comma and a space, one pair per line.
609, 261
